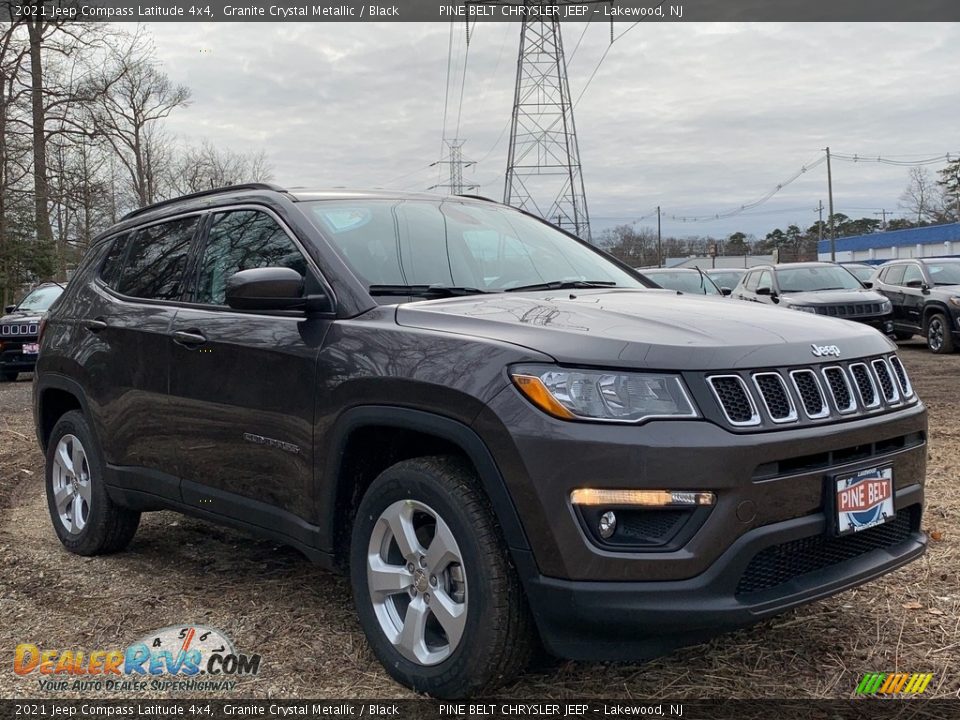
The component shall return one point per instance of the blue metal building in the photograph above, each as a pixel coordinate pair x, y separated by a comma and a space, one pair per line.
875, 248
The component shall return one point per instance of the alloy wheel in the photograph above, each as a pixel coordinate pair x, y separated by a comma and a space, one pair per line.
417, 582
71, 484
935, 334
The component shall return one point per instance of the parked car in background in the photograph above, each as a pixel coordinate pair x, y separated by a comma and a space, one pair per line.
925, 293
820, 288
685, 280
20, 330
726, 277
861, 271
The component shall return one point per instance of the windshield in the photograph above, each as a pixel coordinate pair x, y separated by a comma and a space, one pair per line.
688, 282
40, 299
810, 279
861, 273
450, 243
947, 273
725, 279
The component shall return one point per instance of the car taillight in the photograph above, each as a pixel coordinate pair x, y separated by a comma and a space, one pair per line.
43, 324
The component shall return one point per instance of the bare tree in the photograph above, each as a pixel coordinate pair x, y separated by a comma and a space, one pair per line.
922, 196
129, 115
207, 166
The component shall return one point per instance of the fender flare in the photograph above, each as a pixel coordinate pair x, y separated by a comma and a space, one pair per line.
453, 431
55, 381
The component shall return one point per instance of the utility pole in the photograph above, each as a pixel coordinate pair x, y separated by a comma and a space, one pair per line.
456, 162
820, 223
882, 214
543, 164
659, 245
833, 239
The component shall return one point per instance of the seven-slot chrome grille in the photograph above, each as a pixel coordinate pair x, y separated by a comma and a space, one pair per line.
764, 399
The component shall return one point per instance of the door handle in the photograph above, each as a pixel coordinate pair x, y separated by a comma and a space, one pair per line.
190, 339
95, 326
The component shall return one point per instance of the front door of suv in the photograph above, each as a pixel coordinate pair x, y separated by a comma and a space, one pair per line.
244, 382
914, 295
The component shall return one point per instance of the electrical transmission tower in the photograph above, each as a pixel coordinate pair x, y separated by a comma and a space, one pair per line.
543, 165
456, 162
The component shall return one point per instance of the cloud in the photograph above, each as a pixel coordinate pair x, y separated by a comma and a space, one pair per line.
695, 118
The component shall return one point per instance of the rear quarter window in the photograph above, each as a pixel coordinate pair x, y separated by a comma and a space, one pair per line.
112, 263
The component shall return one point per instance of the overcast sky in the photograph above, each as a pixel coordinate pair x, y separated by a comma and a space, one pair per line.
696, 118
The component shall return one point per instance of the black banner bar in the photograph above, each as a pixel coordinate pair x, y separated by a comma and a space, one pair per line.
857, 709
489, 10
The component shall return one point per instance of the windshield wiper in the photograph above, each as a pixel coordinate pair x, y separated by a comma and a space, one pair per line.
564, 285
424, 291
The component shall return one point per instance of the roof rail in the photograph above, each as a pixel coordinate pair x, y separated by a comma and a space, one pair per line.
203, 193
476, 197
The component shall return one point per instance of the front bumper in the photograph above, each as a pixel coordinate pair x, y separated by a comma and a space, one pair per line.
640, 620
13, 360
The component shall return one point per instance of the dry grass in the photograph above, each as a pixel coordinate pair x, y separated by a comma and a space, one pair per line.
273, 602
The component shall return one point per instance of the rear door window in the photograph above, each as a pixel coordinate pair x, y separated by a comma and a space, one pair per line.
766, 280
157, 259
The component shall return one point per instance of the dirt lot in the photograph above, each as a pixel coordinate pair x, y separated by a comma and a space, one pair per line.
271, 601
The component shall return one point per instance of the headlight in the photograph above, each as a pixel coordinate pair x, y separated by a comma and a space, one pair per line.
804, 308
887, 306
603, 395
955, 301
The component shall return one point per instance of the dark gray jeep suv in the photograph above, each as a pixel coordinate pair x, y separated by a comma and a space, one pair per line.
500, 432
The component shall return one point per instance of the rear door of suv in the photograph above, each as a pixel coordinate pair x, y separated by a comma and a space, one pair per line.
123, 326
244, 382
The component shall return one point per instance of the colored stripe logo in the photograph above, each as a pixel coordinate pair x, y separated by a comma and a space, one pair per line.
894, 683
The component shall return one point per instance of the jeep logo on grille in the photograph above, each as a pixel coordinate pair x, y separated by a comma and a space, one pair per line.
825, 350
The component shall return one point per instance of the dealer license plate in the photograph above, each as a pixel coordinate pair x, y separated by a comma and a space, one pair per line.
864, 499
30, 348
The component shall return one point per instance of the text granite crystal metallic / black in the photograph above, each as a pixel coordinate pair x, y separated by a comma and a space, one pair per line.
505, 436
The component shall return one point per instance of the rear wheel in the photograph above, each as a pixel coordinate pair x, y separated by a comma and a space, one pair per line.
84, 517
8, 376
436, 594
939, 339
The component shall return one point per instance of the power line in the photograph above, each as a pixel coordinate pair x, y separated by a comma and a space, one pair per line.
755, 203
891, 159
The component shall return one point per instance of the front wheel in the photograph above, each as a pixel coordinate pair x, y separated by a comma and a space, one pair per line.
939, 339
437, 597
84, 517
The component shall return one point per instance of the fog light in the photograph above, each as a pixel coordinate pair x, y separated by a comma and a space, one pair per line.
608, 524
656, 498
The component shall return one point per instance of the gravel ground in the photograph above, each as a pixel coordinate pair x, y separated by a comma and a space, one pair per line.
271, 601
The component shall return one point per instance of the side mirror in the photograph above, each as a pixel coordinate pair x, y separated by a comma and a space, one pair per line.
272, 288
764, 291
9, 309
925, 289
725, 291
916, 284
867, 284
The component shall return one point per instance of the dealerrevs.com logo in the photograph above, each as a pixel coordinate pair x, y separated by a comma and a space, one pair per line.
190, 658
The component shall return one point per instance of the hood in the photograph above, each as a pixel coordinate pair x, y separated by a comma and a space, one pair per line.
645, 329
945, 290
833, 297
22, 316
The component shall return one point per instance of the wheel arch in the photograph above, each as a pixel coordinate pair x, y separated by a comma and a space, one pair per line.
338, 494
933, 307
56, 396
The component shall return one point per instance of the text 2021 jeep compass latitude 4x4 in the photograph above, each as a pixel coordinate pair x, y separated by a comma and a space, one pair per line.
500, 431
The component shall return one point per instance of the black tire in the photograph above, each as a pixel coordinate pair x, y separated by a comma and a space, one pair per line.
107, 527
902, 335
9, 376
939, 338
498, 636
